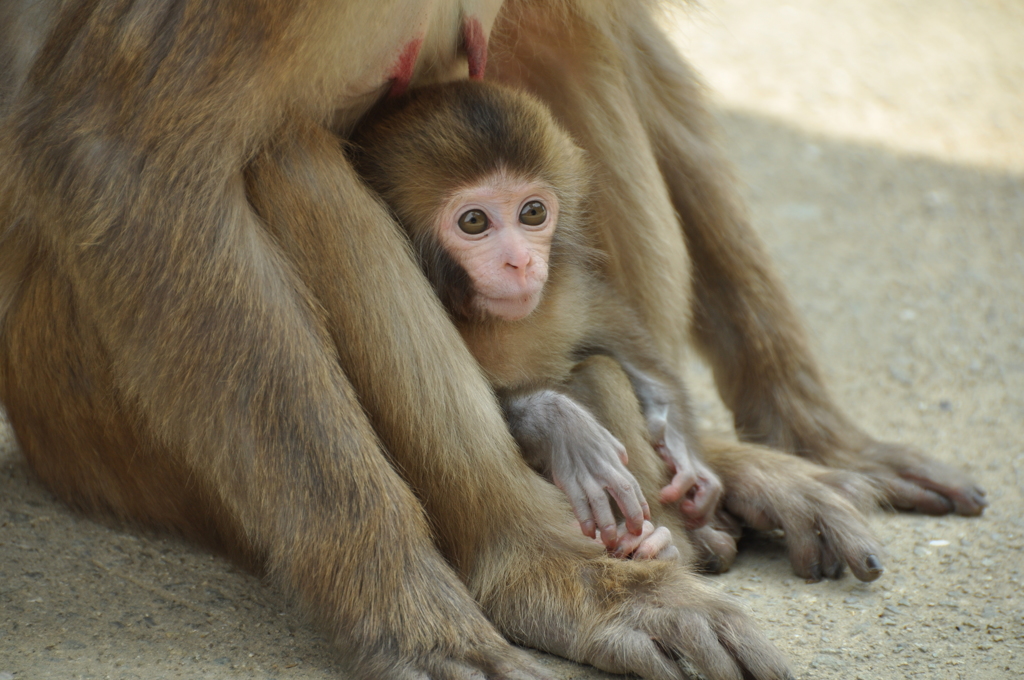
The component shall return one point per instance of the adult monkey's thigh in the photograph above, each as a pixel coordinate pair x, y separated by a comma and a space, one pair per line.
220, 410
159, 356
742, 319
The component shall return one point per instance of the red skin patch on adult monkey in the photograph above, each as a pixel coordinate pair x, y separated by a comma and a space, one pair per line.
475, 43
401, 73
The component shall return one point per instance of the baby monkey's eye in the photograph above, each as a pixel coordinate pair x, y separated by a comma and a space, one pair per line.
533, 214
473, 222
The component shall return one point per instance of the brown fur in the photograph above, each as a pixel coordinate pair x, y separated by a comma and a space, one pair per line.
818, 508
255, 359
646, 104
420, 150
414, 152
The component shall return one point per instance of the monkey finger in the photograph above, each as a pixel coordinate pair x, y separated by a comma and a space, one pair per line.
627, 543
670, 554
631, 503
681, 483
601, 511
580, 507
652, 546
832, 565
958, 492
588, 527
804, 553
623, 454
716, 546
848, 540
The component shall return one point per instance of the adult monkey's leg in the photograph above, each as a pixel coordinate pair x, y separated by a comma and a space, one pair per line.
226, 415
605, 71
564, 53
507, 531
295, 474
158, 355
743, 320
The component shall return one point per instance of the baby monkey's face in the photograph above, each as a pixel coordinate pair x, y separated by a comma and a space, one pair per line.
500, 231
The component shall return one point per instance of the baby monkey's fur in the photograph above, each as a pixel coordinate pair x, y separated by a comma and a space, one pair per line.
415, 153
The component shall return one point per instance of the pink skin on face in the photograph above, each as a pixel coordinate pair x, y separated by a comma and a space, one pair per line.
507, 261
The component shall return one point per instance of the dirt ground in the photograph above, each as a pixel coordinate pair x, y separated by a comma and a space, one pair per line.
881, 149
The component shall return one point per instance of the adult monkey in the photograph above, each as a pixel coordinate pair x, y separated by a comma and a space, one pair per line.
255, 380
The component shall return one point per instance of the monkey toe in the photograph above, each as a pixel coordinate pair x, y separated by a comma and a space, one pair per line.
716, 547
967, 501
913, 481
870, 570
833, 569
831, 564
498, 664
973, 502
907, 495
711, 564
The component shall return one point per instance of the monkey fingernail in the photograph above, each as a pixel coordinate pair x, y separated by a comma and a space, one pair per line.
874, 565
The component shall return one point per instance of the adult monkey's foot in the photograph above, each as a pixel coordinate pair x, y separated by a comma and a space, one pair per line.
650, 618
715, 543
906, 479
910, 480
818, 508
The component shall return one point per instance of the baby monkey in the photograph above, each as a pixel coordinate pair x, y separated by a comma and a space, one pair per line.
492, 193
